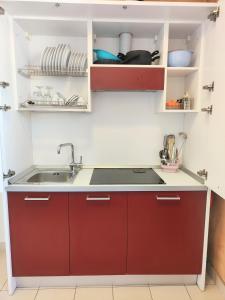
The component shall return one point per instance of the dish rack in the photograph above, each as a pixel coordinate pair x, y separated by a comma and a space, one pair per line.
29, 71
44, 103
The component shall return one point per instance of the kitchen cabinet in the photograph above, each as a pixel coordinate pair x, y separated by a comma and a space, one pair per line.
119, 79
39, 233
165, 232
98, 233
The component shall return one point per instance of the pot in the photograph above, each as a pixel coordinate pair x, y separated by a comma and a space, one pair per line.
139, 57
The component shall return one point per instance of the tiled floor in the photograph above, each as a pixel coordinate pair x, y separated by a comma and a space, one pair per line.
108, 293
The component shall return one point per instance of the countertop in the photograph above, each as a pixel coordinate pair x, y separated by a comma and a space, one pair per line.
179, 181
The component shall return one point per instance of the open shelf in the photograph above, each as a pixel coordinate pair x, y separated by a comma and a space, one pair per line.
145, 36
176, 72
31, 37
53, 109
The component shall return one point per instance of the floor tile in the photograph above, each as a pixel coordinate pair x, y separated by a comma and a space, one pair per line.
209, 279
3, 272
169, 293
132, 293
5, 286
211, 293
90, 293
19, 295
55, 294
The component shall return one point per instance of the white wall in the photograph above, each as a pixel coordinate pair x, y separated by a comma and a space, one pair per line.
122, 129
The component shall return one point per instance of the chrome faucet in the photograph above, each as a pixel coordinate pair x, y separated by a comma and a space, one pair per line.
75, 167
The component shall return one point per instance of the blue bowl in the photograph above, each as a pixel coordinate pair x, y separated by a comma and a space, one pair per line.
102, 54
179, 58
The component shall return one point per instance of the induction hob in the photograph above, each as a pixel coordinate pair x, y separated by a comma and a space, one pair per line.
125, 176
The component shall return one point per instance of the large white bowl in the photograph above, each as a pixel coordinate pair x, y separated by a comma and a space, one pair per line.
179, 58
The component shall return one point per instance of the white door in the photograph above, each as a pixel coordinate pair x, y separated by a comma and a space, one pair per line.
16, 141
216, 141
15, 129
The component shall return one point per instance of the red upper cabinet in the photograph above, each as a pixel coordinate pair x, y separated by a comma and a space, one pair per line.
98, 233
39, 233
127, 78
165, 232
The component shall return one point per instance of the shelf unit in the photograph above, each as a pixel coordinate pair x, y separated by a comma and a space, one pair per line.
32, 35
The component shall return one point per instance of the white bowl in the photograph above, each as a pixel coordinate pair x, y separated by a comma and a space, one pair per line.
179, 58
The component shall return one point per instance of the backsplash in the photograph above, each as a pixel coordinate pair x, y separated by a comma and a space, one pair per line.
123, 128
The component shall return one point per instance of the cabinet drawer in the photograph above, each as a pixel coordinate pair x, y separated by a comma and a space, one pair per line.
165, 232
132, 78
39, 233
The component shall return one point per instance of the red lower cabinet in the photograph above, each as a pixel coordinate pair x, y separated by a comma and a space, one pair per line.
39, 233
98, 233
165, 232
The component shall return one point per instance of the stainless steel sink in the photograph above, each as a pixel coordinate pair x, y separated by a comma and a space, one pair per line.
51, 177
38, 175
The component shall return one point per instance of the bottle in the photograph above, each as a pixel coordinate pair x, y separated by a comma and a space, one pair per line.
186, 101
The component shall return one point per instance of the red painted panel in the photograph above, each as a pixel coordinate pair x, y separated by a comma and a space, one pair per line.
98, 234
132, 78
165, 237
39, 234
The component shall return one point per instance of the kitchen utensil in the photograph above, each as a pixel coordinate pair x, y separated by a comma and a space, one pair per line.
170, 144
179, 58
102, 54
139, 57
125, 43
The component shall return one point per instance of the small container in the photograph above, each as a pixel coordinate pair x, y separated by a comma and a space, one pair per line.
125, 42
170, 167
187, 102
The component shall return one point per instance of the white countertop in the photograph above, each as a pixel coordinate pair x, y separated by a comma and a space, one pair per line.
179, 181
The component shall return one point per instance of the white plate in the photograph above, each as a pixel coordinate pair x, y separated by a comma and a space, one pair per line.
46, 59
53, 59
70, 63
57, 63
60, 57
65, 57
49, 59
79, 62
42, 57
74, 62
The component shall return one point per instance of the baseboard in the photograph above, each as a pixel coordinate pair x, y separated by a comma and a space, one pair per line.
113, 280
216, 278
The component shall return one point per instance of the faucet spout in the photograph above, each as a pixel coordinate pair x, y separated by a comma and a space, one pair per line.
67, 145
75, 167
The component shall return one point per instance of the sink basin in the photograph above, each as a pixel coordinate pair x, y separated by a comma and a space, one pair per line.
56, 176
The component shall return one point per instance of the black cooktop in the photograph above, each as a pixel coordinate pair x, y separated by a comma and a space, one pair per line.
125, 176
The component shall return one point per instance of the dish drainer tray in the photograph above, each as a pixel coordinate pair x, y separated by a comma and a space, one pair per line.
29, 71
49, 104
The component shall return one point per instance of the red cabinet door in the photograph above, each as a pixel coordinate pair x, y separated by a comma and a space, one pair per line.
39, 233
132, 78
98, 233
165, 234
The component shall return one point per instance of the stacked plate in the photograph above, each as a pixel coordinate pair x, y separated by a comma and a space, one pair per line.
77, 62
62, 59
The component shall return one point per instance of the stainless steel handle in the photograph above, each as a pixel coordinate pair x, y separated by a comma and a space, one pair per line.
177, 198
98, 198
37, 199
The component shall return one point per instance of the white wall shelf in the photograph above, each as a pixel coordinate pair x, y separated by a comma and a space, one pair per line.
176, 72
